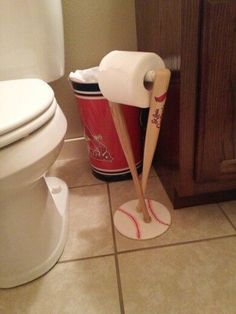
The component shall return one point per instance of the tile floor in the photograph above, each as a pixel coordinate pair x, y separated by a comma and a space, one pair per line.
189, 269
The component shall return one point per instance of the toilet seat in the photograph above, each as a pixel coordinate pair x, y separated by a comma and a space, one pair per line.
25, 106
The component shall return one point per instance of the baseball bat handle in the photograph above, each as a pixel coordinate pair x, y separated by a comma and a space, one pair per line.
121, 128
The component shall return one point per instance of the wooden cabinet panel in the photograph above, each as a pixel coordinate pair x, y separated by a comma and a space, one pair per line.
152, 17
196, 152
216, 144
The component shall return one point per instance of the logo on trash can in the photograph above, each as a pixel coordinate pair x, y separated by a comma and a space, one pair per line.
97, 149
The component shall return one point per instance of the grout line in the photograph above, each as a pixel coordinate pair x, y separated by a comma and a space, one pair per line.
226, 216
84, 258
111, 215
177, 244
122, 309
147, 248
95, 184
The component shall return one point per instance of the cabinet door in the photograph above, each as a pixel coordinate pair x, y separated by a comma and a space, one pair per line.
216, 116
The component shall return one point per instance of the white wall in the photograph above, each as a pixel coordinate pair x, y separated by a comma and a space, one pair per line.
92, 29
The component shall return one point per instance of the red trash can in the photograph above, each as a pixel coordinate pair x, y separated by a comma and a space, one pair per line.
106, 156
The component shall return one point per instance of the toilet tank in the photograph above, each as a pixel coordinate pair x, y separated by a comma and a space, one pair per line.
31, 39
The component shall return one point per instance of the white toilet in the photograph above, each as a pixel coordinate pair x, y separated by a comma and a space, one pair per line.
33, 208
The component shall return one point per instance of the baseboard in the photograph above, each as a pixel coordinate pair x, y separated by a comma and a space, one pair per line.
201, 199
72, 148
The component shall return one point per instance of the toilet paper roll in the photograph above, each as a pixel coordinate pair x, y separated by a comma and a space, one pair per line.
121, 76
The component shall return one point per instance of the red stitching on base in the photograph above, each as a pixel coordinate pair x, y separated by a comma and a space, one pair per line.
131, 217
154, 214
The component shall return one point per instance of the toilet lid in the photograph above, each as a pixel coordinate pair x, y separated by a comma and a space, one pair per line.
25, 105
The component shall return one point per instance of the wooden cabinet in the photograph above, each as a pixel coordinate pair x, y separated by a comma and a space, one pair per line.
196, 153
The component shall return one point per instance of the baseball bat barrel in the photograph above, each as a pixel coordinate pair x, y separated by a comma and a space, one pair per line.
157, 102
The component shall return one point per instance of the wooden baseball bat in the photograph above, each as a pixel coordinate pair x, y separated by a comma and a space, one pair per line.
157, 102
121, 128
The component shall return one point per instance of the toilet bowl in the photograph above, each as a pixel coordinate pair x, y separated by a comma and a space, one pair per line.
33, 208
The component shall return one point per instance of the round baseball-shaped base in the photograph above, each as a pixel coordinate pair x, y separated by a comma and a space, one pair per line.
129, 222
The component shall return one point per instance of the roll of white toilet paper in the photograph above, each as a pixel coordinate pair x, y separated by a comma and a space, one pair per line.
121, 76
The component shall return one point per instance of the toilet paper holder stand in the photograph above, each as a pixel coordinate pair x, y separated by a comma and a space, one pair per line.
156, 217
143, 218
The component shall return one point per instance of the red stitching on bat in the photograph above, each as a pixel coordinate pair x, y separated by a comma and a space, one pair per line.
161, 98
131, 217
154, 214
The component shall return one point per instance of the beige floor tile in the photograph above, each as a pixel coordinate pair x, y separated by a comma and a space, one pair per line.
197, 278
75, 171
73, 165
73, 148
90, 231
87, 286
199, 222
230, 210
